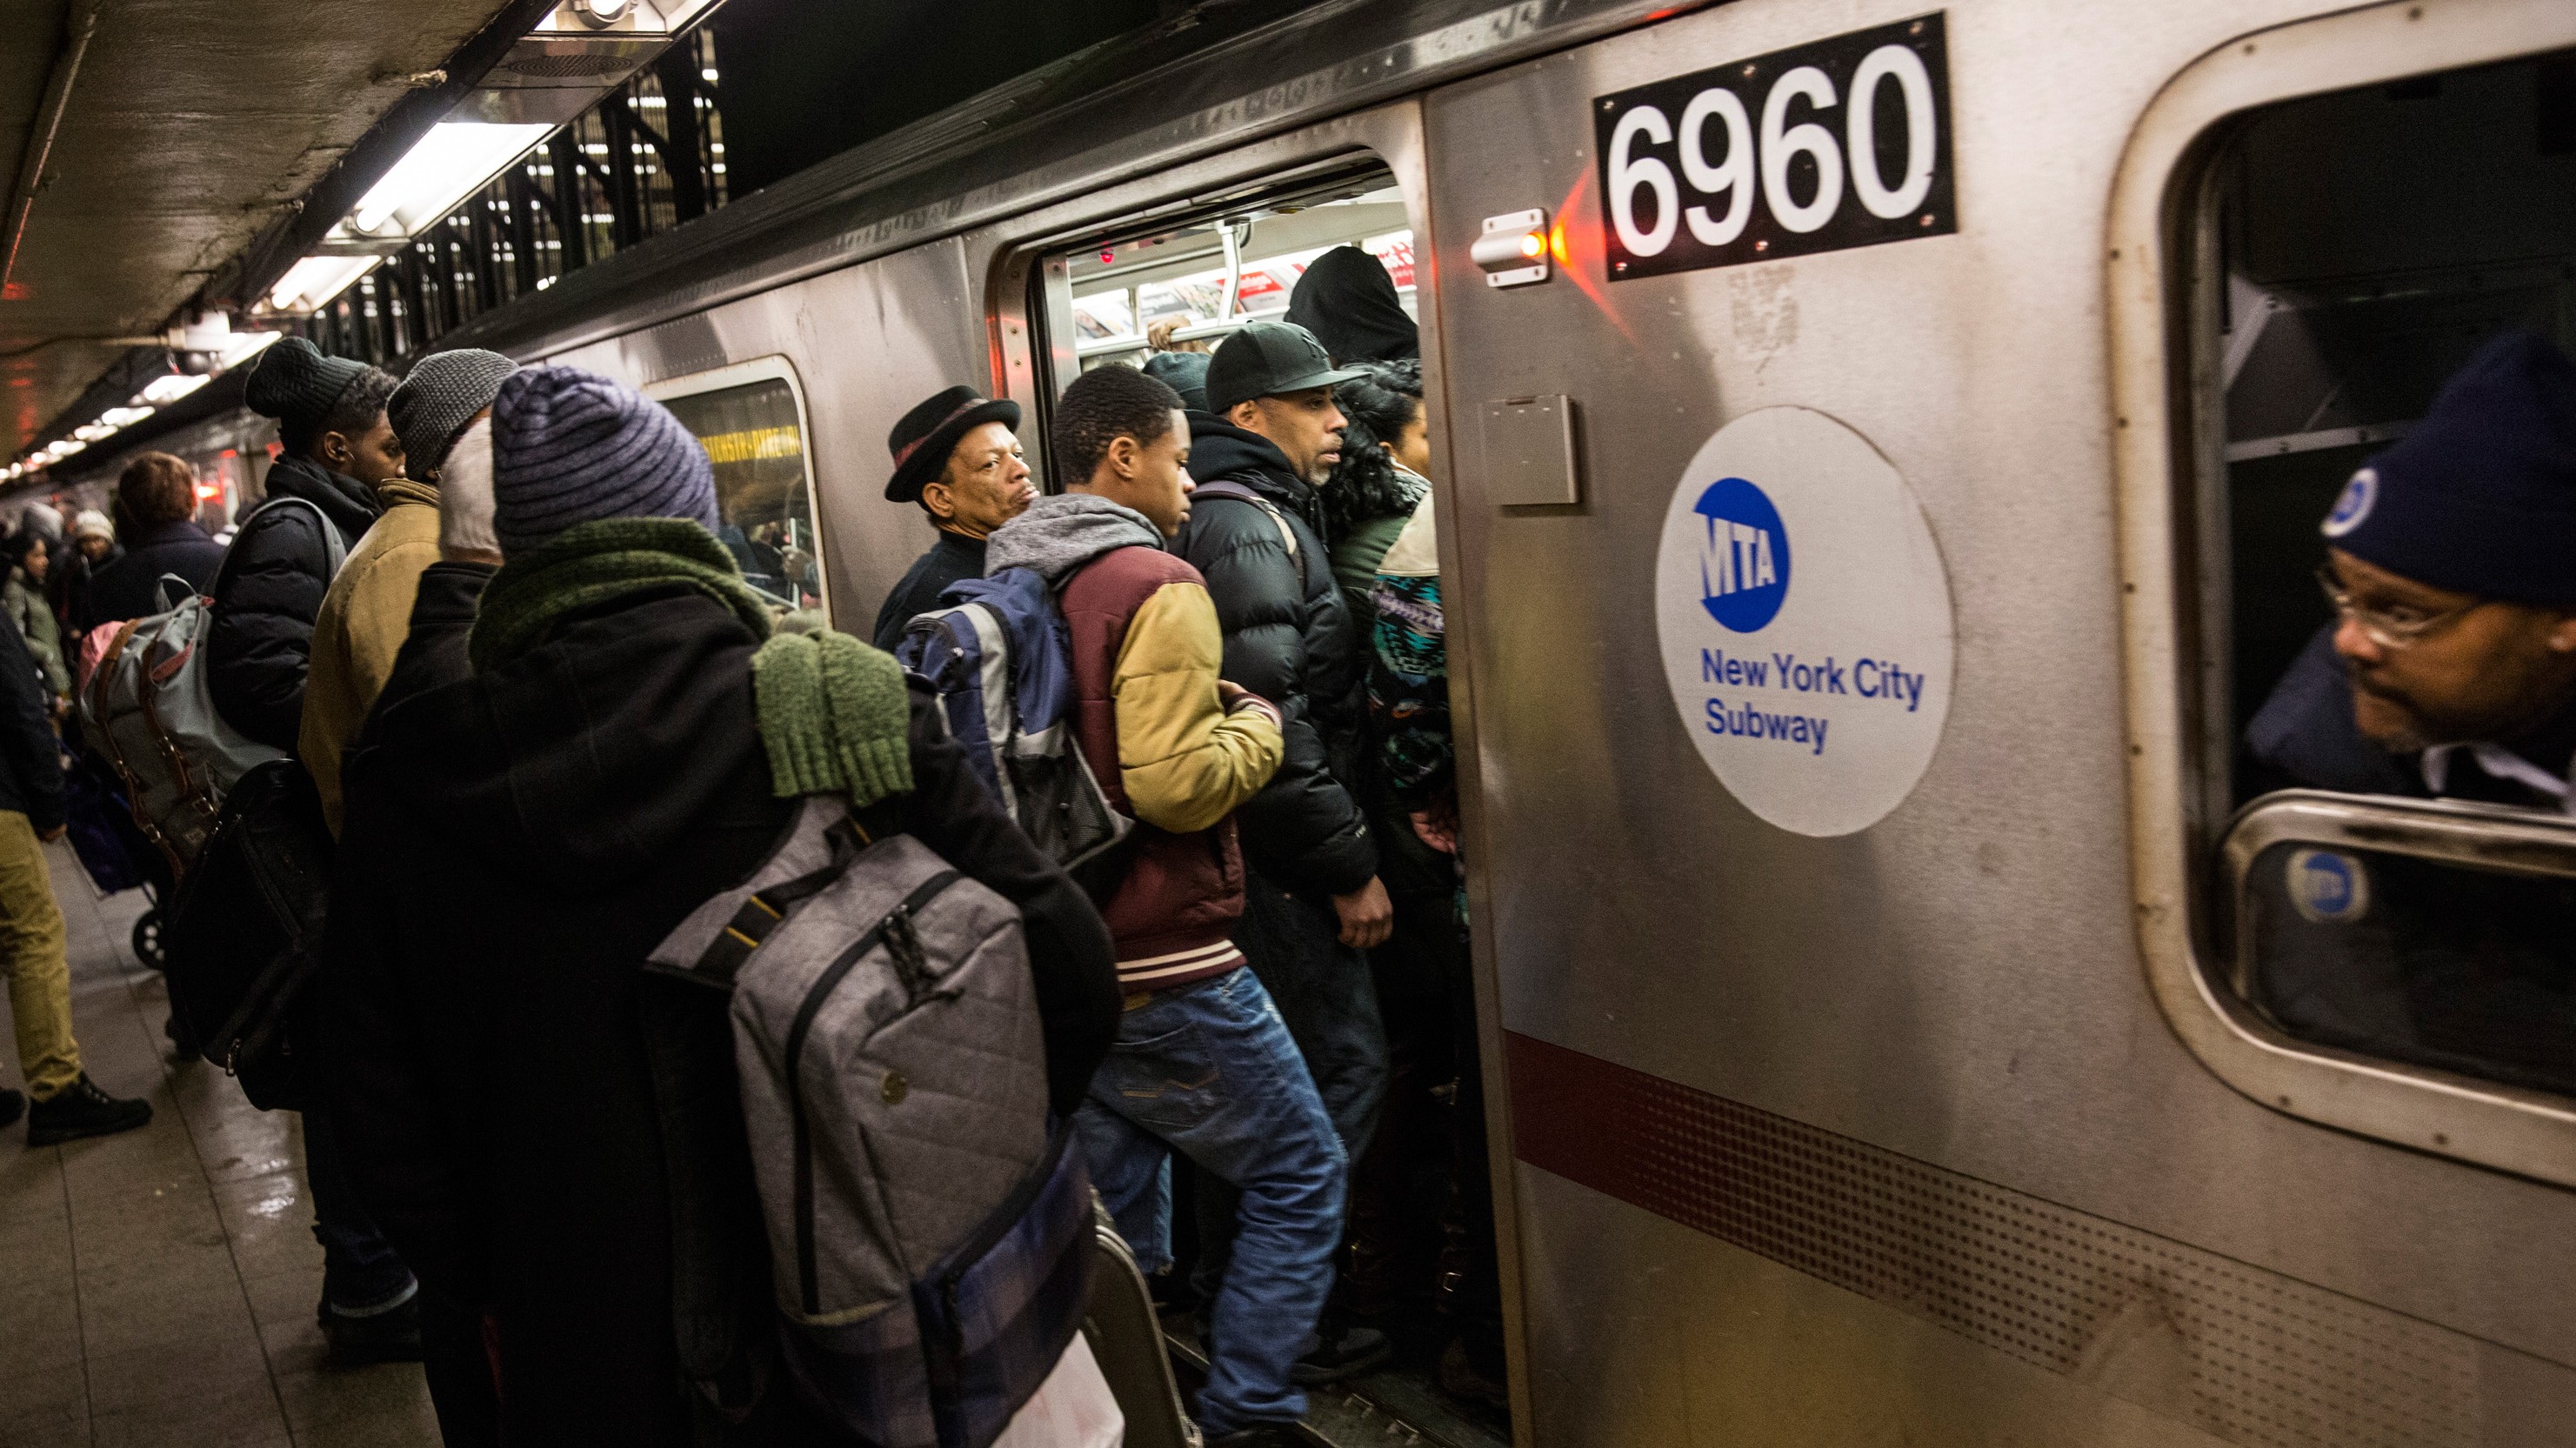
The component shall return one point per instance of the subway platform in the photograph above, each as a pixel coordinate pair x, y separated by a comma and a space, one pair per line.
158, 1287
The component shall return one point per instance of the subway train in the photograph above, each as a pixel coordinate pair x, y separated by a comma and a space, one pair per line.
1879, 455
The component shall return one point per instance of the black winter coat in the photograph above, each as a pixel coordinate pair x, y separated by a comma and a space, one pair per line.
268, 595
543, 1130
948, 559
31, 760
1289, 638
131, 586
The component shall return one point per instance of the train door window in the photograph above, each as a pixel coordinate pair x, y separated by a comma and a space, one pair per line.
751, 421
2356, 248
1187, 283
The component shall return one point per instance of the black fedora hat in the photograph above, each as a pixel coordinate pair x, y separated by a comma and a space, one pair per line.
925, 437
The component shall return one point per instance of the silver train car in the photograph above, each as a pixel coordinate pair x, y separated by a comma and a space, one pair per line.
1879, 455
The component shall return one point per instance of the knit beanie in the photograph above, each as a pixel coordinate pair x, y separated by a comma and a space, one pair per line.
442, 394
293, 382
570, 446
2480, 496
465, 493
91, 523
44, 520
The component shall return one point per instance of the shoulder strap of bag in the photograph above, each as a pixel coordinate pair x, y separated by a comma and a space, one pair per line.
335, 550
1241, 494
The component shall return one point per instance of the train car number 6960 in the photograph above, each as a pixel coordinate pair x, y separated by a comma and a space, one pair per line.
1750, 161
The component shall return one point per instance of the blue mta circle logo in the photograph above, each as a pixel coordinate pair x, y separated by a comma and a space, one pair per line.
1744, 556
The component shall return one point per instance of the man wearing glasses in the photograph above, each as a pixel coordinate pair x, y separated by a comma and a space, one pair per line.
2450, 668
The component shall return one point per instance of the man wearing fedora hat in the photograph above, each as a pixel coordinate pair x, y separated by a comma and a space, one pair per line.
958, 456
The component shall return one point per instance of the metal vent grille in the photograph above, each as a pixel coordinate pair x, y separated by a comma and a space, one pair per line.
2244, 1353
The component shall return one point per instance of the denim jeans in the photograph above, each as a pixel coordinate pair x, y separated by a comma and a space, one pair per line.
359, 1268
1209, 1070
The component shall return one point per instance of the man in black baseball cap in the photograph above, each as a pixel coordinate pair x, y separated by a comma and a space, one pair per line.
958, 456
1312, 901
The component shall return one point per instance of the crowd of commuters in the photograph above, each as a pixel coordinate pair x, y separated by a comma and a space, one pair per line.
491, 613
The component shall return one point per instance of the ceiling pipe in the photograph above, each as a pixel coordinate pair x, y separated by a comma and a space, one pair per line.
81, 25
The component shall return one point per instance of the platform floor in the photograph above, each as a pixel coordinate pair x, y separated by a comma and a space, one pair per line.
158, 1287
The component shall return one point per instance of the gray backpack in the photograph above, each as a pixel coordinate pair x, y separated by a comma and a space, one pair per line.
147, 705
929, 1227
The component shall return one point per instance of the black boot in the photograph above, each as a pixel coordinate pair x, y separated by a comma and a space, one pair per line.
12, 1106
83, 1110
1340, 1350
390, 1335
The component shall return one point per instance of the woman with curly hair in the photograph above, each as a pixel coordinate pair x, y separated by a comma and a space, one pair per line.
1379, 481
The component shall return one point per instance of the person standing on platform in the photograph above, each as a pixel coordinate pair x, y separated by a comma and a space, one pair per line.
66, 1103
958, 456
367, 612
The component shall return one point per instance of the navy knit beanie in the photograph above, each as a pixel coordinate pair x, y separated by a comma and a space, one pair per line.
2480, 496
570, 447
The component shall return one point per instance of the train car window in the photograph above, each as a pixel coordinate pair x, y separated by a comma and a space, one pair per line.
754, 433
1186, 285
2360, 247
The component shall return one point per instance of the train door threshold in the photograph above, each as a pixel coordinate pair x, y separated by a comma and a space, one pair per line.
1373, 1410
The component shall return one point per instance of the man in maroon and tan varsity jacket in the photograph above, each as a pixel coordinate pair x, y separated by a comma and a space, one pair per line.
1203, 1064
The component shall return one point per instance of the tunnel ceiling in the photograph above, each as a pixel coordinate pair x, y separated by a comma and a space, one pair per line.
188, 127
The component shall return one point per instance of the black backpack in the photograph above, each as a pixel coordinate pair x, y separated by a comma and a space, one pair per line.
244, 932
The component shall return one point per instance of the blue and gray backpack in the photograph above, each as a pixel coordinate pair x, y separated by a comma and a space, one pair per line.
997, 653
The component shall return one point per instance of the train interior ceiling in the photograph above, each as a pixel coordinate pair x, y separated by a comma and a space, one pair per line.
2338, 319
1209, 277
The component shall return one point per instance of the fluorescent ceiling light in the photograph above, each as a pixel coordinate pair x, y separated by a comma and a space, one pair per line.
124, 416
308, 286
449, 164
246, 345
162, 391
93, 431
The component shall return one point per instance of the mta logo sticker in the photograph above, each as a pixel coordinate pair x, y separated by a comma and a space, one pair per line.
2353, 506
1744, 558
2328, 887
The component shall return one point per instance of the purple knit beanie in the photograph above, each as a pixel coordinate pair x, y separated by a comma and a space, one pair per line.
570, 446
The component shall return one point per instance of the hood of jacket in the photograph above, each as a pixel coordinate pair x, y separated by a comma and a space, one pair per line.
348, 503
1347, 299
587, 759
1221, 451
1057, 535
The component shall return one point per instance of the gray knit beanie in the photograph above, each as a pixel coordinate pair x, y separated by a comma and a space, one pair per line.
442, 394
296, 384
570, 446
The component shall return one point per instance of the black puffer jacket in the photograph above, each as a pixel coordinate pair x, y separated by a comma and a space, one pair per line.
544, 1130
1290, 639
131, 586
267, 595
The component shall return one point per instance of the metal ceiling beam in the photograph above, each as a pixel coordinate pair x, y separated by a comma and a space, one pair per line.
81, 24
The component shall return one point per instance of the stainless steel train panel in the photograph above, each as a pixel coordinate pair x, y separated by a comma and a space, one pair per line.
867, 343
1961, 983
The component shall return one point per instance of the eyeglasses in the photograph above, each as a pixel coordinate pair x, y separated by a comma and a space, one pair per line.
2394, 627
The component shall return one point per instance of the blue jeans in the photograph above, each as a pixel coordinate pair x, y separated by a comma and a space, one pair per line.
359, 1267
1209, 1070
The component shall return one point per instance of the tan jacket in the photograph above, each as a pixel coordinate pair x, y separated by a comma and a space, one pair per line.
363, 622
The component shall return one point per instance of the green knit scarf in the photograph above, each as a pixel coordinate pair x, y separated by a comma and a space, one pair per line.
591, 563
833, 712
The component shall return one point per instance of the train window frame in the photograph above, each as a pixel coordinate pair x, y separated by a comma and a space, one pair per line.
773, 367
2167, 441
